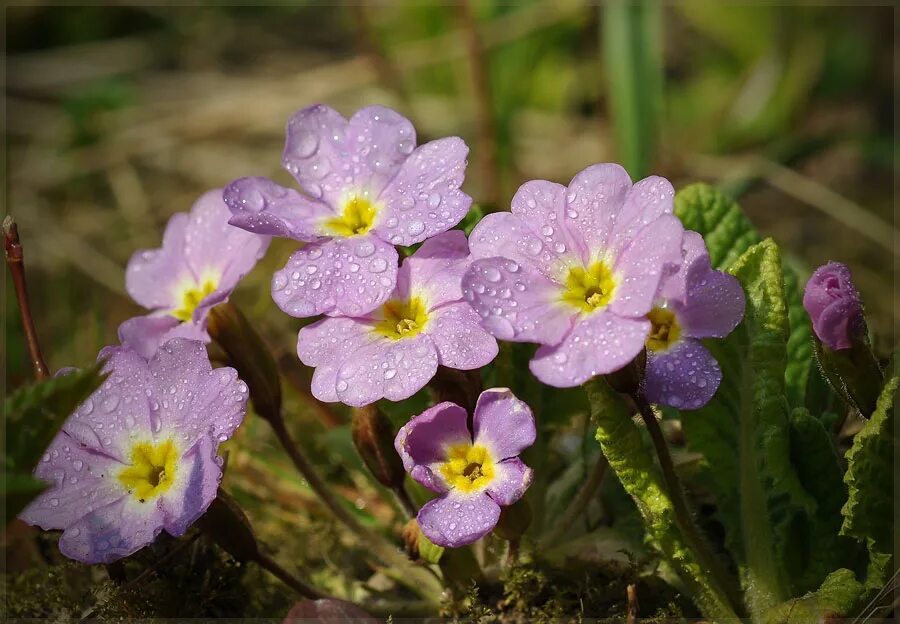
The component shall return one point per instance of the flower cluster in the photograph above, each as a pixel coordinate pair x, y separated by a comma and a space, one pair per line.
139, 455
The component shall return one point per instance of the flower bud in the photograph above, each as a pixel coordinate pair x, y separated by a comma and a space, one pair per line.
251, 357
373, 437
842, 343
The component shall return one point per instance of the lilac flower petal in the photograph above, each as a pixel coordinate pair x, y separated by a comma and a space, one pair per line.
325, 345
424, 440
516, 302
456, 519
428, 478
382, 139
512, 478
598, 344
435, 270
348, 277
459, 338
715, 303
542, 206
195, 487
389, 369
189, 398
316, 152
646, 201
503, 423
78, 479
213, 247
118, 411
644, 262
693, 250
145, 334
595, 196
261, 206
116, 530
153, 275
833, 325
685, 377
424, 198
507, 235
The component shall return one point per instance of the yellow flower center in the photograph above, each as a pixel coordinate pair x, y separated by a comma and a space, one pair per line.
402, 319
152, 469
664, 331
589, 289
191, 296
468, 468
357, 217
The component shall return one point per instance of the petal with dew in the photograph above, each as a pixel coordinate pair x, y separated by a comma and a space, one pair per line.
503, 423
594, 199
685, 377
261, 206
435, 270
325, 345
511, 480
153, 276
460, 340
196, 486
111, 532
424, 198
350, 277
426, 439
598, 344
456, 519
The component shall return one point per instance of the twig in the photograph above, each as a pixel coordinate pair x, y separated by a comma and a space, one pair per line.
683, 516
580, 502
484, 106
631, 595
15, 259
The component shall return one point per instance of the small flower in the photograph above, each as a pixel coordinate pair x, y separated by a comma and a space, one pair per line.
395, 350
367, 187
201, 261
576, 270
139, 455
475, 472
696, 302
833, 305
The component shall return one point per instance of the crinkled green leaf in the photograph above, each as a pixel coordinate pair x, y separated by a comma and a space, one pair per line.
840, 595
743, 433
632, 461
19, 489
728, 234
869, 511
34, 414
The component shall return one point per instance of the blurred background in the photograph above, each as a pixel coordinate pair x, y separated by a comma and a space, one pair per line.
119, 116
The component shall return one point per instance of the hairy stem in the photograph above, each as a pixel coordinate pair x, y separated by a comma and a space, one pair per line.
683, 515
406, 501
15, 259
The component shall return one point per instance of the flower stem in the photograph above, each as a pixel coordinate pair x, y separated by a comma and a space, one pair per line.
406, 501
287, 578
15, 259
683, 515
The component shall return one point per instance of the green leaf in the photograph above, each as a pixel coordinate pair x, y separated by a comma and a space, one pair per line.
428, 550
19, 489
868, 513
816, 545
632, 461
728, 234
35, 414
633, 64
839, 596
743, 432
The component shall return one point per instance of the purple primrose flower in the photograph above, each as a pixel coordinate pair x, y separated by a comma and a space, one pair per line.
395, 350
367, 188
833, 305
201, 261
139, 455
696, 302
475, 472
576, 269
